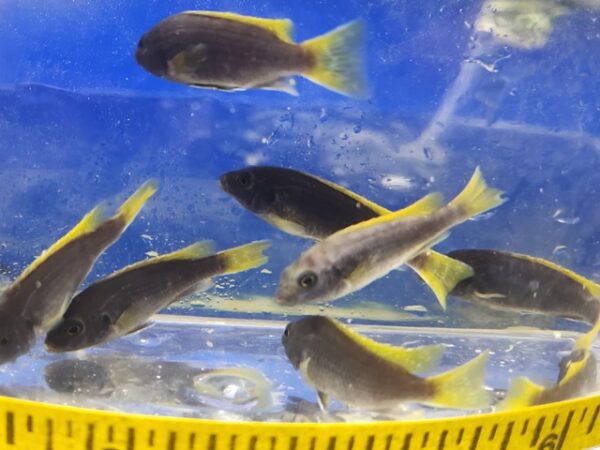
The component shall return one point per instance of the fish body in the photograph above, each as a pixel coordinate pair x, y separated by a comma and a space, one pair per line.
356, 256
520, 282
338, 365
234, 52
122, 302
308, 206
36, 300
577, 376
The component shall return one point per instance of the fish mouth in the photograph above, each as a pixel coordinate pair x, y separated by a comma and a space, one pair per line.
285, 301
223, 184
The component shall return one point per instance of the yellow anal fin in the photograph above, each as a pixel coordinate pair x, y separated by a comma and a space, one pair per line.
477, 197
282, 28
417, 359
574, 368
427, 204
440, 272
339, 60
131, 207
463, 387
521, 394
89, 223
245, 257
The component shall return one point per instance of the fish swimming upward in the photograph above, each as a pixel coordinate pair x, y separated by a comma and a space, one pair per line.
40, 295
356, 256
227, 51
304, 205
124, 301
360, 372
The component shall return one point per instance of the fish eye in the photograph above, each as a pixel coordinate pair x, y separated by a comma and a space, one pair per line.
245, 180
307, 280
75, 329
286, 332
4, 341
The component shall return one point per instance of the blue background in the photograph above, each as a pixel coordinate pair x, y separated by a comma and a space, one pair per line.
80, 122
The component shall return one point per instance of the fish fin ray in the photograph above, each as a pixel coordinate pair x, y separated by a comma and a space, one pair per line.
89, 223
131, 207
462, 387
413, 359
432, 199
339, 60
440, 272
245, 257
477, 197
323, 401
285, 84
521, 394
282, 28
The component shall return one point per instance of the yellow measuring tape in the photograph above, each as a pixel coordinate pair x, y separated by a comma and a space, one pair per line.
27, 425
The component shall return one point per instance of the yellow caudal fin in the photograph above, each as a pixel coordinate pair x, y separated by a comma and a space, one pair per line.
426, 205
463, 387
282, 28
477, 197
522, 393
89, 223
131, 207
415, 359
339, 60
585, 342
244, 257
440, 272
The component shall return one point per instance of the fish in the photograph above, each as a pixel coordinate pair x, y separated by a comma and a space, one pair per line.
577, 376
305, 205
354, 257
231, 52
519, 282
354, 371
37, 299
123, 302
122, 377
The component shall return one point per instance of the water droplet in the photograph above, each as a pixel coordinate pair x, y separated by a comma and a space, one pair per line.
428, 154
567, 220
357, 128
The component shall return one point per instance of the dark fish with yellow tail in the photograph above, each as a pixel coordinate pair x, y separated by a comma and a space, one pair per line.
40, 295
577, 377
356, 256
123, 302
229, 51
354, 371
526, 283
311, 207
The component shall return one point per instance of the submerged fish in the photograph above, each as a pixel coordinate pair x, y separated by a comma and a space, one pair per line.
122, 302
525, 283
234, 52
357, 371
354, 257
148, 380
39, 296
307, 206
577, 377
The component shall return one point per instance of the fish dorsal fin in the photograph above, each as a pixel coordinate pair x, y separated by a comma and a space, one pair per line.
353, 195
426, 205
592, 287
417, 359
89, 223
282, 28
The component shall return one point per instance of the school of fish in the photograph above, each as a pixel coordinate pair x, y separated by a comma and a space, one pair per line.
355, 243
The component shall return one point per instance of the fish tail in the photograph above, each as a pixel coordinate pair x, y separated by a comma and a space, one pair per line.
245, 257
339, 60
440, 272
130, 208
585, 342
477, 197
462, 387
521, 394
